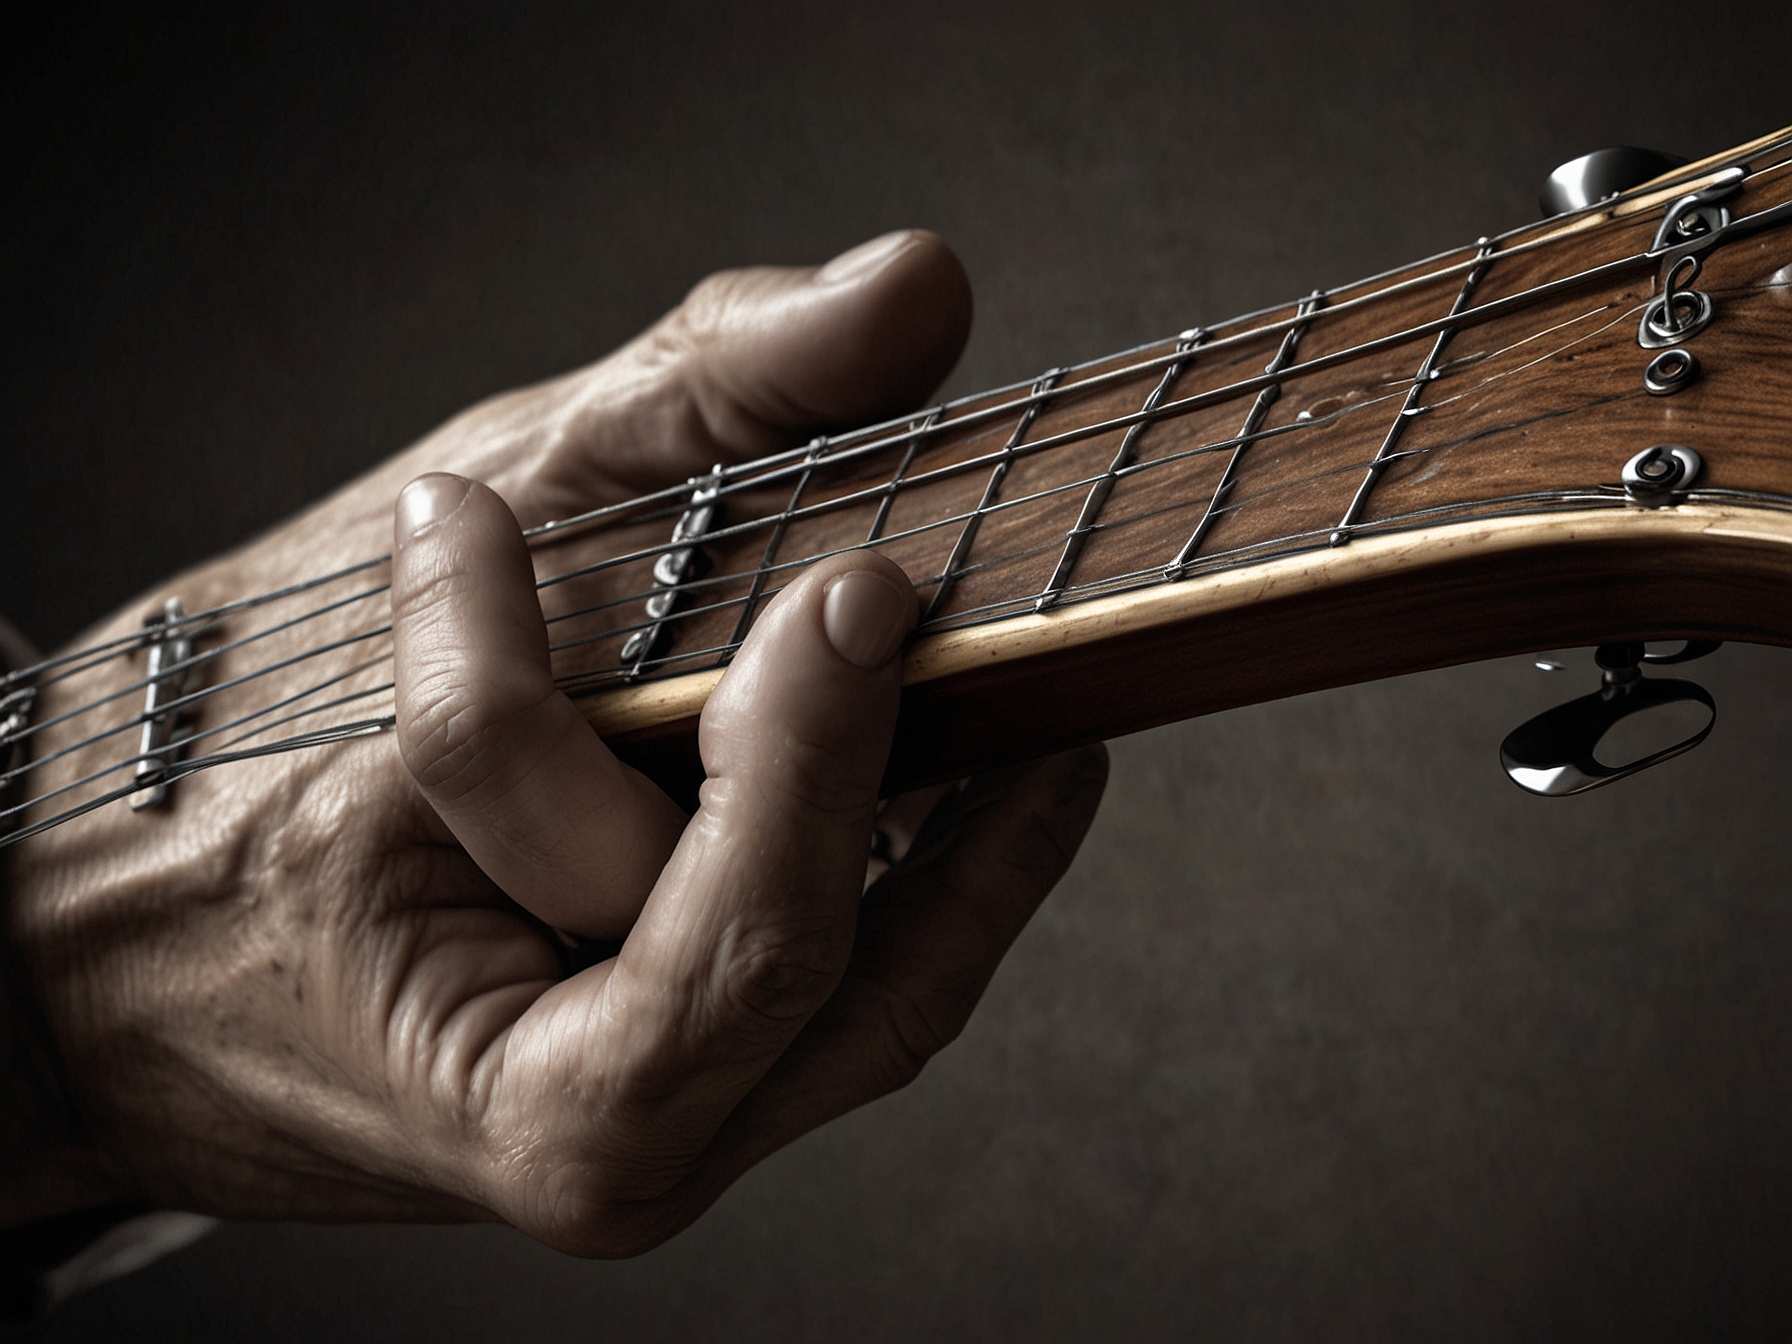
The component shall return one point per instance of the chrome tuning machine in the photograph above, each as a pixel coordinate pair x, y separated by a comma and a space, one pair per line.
1556, 753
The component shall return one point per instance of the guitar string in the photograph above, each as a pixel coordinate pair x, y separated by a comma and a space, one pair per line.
180, 667
783, 517
780, 466
1016, 603
1550, 501
1551, 232
158, 755
1071, 485
1525, 294
1168, 410
1220, 445
571, 683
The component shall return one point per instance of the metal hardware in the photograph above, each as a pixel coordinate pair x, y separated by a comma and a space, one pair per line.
1654, 476
1676, 314
15, 718
1554, 754
674, 568
1670, 371
1605, 172
1692, 223
170, 650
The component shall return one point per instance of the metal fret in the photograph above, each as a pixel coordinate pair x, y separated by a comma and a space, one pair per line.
961, 549
674, 565
915, 437
1410, 409
1099, 492
816, 448
1267, 396
170, 670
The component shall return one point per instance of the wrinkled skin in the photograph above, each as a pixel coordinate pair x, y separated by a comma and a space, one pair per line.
325, 985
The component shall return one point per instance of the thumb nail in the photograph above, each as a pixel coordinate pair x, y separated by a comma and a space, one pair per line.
863, 259
865, 617
427, 500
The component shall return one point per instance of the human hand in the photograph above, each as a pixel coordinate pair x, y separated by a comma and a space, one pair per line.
324, 985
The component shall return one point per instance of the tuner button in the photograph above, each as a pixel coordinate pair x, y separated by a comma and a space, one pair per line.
1605, 172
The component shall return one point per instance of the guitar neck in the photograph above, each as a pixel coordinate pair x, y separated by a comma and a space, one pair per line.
1416, 470
1571, 433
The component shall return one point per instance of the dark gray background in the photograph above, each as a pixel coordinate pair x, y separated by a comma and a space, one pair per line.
1331, 1032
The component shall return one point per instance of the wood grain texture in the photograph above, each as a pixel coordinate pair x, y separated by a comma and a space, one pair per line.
1500, 524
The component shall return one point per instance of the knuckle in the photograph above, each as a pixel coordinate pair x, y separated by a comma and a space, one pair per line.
449, 729
823, 772
712, 302
581, 1206
683, 332
775, 976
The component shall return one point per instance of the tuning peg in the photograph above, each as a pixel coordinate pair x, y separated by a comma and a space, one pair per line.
1555, 754
1605, 172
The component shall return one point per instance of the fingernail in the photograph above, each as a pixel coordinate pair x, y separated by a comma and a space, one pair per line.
863, 259
865, 617
426, 500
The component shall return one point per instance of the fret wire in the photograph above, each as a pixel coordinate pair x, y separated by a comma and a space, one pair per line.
1266, 398
1412, 407
908, 457
1104, 485
1172, 409
961, 548
816, 450
712, 580
1337, 307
